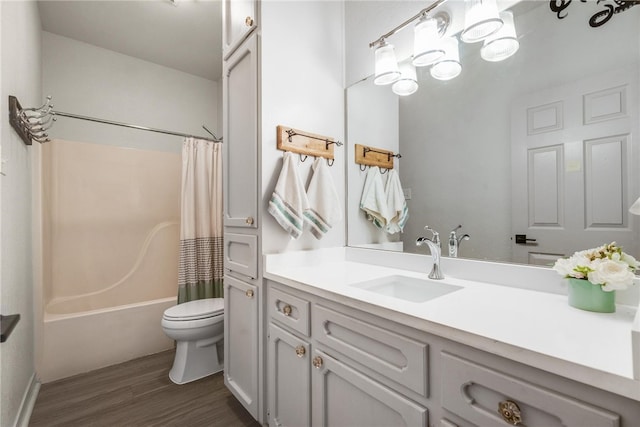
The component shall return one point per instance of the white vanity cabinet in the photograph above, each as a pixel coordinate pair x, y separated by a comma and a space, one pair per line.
311, 383
337, 365
239, 19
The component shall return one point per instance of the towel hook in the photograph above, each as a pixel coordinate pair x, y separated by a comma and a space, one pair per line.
301, 159
363, 168
330, 162
385, 171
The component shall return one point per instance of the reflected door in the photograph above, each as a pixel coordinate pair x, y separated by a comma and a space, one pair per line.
574, 167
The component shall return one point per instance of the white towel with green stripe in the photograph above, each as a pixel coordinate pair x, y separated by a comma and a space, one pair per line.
374, 200
289, 200
324, 204
396, 203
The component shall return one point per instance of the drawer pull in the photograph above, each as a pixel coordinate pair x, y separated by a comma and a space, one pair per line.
249, 293
510, 412
249, 220
248, 21
300, 351
286, 310
317, 362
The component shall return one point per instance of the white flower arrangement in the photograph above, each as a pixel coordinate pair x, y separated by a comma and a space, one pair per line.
606, 266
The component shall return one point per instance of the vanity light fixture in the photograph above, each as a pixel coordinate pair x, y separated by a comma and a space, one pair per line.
503, 43
408, 81
481, 19
387, 70
426, 43
449, 66
432, 48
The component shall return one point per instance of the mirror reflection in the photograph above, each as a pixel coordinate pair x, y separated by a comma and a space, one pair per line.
540, 145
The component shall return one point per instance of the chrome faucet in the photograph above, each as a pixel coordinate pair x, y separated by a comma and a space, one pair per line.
454, 241
434, 248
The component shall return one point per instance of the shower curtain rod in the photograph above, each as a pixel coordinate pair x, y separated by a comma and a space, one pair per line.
127, 125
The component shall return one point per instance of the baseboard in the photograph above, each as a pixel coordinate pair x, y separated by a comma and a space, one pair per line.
28, 402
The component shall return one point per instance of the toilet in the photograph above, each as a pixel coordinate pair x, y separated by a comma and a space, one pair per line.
197, 328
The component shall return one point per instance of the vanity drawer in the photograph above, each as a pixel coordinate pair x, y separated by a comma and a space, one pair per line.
383, 351
289, 310
475, 392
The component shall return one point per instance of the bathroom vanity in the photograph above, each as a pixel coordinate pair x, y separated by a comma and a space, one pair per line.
360, 337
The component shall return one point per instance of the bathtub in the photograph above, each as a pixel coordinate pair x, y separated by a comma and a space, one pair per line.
84, 341
110, 251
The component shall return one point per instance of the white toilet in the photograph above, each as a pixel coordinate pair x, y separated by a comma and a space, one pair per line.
197, 328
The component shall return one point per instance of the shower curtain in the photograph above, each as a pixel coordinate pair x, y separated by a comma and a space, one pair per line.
201, 245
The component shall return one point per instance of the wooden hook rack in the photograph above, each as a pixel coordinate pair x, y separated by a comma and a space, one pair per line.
305, 143
370, 156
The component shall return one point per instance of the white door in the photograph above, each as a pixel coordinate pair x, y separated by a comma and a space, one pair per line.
575, 167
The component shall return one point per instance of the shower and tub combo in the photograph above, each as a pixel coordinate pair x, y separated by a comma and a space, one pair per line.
110, 242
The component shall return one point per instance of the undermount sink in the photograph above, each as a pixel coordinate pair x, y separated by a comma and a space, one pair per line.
407, 288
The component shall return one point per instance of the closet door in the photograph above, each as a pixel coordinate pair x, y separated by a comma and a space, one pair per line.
239, 20
240, 116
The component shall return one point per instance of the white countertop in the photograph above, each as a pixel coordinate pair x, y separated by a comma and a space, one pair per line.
532, 327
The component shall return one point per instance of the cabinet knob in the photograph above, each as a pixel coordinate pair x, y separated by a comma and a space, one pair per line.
286, 310
317, 362
510, 412
300, 351
248, 21
249, 293
249, 220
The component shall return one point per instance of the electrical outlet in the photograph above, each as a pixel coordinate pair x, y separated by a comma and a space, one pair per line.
407, 193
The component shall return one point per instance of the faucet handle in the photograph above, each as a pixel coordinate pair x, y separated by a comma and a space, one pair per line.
436, 235
457, 228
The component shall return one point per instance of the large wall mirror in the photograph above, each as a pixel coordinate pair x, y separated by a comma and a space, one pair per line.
543, 144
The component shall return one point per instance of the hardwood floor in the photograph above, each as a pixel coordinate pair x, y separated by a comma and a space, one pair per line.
137, 393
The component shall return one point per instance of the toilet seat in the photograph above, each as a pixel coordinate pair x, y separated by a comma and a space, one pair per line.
195, 310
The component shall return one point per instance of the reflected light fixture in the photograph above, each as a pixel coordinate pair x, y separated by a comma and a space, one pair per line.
408, 81
386, 64
481, 19
426, 42
635, 207
503, 43
449, 66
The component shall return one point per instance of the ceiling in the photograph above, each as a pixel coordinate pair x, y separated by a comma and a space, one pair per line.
185, 37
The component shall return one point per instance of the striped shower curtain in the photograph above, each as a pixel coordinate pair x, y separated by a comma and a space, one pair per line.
201, 246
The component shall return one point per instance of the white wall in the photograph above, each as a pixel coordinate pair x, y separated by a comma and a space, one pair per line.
90, 81
302, 87
21, 77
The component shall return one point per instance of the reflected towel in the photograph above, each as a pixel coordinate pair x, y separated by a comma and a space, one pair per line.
289, 200
396, 203
373, 200
325, 209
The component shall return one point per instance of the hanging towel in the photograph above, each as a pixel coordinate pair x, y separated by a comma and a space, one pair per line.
324, 210
373, 200
289, 200
396, 203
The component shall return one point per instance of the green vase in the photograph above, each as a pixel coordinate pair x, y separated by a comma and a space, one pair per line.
586, 296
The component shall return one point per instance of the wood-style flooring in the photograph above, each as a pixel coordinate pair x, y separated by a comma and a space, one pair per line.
137, 393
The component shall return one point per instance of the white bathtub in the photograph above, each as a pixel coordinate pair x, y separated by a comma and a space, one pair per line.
84, 341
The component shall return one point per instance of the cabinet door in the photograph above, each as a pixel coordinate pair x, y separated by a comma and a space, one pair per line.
342, 396
240, 117
239, 20
241, 342
289, 379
